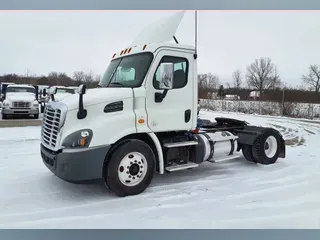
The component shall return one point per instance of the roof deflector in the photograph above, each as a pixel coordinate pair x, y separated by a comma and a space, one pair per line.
161, 31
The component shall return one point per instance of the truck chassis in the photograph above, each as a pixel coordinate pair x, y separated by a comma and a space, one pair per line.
130, 163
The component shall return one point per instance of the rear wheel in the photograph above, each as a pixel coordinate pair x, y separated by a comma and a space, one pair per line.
130, 168
247, 153
266, 149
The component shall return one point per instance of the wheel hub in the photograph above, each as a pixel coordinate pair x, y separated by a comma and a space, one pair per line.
271, 146
132, 169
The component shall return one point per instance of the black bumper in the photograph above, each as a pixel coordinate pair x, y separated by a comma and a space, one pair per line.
76, 166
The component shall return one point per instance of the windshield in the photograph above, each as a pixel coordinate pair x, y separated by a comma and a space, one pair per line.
21, 89
65, 90
127, 71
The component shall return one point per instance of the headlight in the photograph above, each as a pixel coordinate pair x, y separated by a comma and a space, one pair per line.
6, 104
78, 139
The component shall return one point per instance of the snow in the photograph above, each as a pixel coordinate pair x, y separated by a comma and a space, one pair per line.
230, 194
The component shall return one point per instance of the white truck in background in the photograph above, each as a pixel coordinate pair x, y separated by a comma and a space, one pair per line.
143, 118
61, 92
20, 99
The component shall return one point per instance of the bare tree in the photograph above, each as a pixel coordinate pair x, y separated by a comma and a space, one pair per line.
207, 84
53, 78
78, 77
97, 78
213, 81
202, 81
237, 80
313, 78
262, 75
89, 78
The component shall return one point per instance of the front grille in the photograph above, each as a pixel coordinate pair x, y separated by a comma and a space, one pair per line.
50, 126
21, 104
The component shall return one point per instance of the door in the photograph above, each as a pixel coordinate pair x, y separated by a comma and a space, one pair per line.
174, 111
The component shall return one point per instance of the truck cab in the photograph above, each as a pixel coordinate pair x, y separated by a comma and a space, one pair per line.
142, 118
20, 99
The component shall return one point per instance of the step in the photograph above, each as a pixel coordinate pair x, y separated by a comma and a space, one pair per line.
224, 159
181, 167
180, 144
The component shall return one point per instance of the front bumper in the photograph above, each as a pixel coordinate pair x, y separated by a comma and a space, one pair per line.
28, 111
76, 165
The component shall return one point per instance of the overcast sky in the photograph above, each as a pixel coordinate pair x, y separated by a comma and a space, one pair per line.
41, 42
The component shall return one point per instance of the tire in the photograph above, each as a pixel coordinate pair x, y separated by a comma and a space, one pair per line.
266, 148
247, 153
36, 116
122, 166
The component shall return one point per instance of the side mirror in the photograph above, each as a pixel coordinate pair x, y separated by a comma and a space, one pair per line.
82, 89
52, 90
82, 113
166, 76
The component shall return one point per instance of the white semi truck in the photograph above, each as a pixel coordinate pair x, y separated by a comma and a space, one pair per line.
20, 99
143, 118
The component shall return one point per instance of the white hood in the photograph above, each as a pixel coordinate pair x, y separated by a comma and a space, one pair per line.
98, 95
28, 97
60, 96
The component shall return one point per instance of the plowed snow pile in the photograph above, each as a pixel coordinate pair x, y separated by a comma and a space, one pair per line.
231, 194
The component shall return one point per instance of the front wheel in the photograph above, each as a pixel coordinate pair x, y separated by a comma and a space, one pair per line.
130, 168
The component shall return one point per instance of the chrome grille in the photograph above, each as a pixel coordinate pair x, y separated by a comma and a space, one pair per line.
50, 126
21, 104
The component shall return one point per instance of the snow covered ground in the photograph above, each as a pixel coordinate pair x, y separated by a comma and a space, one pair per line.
231, 194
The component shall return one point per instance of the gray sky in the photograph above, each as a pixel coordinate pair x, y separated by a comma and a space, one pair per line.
67, 41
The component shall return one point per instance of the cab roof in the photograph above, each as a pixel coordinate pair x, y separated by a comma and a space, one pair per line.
152, 47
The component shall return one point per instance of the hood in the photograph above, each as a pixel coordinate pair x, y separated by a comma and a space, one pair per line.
96, 96
29, 97
60, 96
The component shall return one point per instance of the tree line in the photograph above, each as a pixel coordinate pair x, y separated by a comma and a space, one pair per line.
54, 79
263, 77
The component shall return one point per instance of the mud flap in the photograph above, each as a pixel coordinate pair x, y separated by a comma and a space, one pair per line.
282, 146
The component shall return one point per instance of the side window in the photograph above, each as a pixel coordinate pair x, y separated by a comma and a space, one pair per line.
180, 72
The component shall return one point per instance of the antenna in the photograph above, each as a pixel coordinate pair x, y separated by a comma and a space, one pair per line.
195, 34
